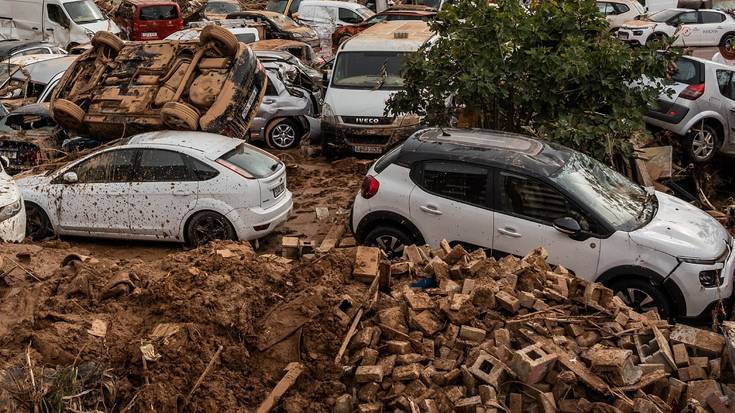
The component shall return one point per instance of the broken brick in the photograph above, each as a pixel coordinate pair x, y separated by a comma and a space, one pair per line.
365, 374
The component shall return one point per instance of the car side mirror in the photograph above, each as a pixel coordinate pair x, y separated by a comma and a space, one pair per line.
567, 225
70, 178
325, 78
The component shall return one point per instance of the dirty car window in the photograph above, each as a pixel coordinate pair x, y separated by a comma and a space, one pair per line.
111, 166
369, 70
83, 11
151, 13
252, 161
161, 166
222, 7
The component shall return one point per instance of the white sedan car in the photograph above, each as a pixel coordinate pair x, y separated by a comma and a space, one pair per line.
12, 213
688, 27
174, 186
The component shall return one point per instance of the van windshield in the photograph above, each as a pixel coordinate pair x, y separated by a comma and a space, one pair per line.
153, 13
284, 22
84, 11
369, 70
222, 7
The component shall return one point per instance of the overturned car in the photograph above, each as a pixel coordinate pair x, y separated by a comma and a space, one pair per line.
117, 89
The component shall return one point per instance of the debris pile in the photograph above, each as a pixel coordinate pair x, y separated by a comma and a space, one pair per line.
468, 333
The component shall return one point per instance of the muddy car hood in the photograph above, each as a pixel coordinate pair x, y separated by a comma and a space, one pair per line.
357, 102
639, 24
34, 181
8, 190
682, 230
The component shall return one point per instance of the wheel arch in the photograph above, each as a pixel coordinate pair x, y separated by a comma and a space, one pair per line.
623, 272
387, 218
187, 220
725, 35
51, 220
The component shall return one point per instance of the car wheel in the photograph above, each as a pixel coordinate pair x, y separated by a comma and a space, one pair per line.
727, 46
38, 226
208, 226
642, 296
223, 38
702, 144
282, 134
389, 239
67, 114
179, 116
107, 40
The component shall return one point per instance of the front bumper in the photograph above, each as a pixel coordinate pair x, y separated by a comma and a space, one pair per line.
636, 37
14, 228
344, 138
245, 220
700, 299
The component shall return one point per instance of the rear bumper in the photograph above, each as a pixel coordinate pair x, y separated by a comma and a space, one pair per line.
245, 220
14, 229
675, 114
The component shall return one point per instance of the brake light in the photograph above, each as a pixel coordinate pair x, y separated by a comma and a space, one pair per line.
692, 92
370, 187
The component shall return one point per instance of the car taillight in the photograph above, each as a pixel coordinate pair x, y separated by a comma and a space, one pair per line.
692, 92
370, 187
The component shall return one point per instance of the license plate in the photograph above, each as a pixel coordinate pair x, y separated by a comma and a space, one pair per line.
150, 34
277, 191
9, 154
249, 103
367, 149
623, 35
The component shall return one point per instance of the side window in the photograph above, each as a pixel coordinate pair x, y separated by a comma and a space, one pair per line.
711, 17
349, 16
270, 89
107, 167
689, 17
602, 7
56, 15
619, 8
158, 165
307, 12
294, 7
723, 81
460, 182
37, 50
537, 201
202, 171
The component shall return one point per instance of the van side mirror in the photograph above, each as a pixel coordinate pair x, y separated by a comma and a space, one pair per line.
326, 77
70, 178
567, 225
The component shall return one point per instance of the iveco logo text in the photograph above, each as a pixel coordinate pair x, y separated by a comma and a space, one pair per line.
367, 120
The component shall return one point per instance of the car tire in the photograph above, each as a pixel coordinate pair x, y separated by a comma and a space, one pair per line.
727, 45
642, 296
38, 225
67, 114
179, 116
391, 240
208, 226
701, 144
282, 134
225, 40
108, 40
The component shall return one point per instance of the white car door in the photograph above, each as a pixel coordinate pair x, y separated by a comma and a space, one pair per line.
163, 192
711, 27
97, 204
57, 25
451, 201
525, 210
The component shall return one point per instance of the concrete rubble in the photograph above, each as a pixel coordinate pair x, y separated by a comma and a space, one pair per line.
517, 335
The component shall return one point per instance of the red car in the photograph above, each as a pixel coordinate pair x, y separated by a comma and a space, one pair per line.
402, 12
148, 19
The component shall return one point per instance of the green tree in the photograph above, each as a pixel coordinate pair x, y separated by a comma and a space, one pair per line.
554, 72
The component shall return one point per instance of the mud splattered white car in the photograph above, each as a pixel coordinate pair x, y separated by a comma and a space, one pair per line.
688, 27
12, 212
173, 186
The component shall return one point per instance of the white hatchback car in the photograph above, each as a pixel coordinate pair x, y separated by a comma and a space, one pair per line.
12, 212
688, 27
510, 194
175, 186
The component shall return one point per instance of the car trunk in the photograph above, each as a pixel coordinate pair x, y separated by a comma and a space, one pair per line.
253, 163
273, 187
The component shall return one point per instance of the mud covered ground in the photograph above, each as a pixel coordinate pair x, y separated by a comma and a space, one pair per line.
81, 322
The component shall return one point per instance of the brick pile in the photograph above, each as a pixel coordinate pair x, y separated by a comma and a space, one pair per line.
516, 335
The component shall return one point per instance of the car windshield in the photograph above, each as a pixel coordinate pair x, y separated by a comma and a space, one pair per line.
364, 12
687, 71
284, 22
6, 71
619, 201
276, 5
84, 11
246, 37
369, 70
252, 160
431, 3
153, 13
663, 15
222, 7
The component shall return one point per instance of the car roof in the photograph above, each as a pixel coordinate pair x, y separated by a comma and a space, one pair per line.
9, 46
40, 109
210, 145
334, 3
43, 70
387, 36
486, 147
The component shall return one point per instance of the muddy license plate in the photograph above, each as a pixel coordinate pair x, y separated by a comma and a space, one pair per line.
149, 34
249, 103
367, 149
9, 154
277, 191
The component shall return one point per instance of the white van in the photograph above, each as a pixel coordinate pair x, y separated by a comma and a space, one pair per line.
366, 72
66, 23
330, 14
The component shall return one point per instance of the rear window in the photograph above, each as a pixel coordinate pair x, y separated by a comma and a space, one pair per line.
246, 37
253, 161
387, 159
688, 72
150, 13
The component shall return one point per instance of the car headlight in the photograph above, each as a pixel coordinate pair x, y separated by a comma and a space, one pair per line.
9, 211
328, 115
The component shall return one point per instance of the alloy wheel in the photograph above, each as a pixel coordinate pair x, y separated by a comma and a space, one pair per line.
392, 246
638, 300
283, 135
703, 144
208, 229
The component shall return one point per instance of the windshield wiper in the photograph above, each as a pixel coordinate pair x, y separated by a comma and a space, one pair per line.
383, 75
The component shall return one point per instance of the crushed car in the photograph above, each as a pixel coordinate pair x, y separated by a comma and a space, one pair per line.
29, 136
242, 30
119, 89
308, 77
401, 12
10, 48
279, 26
301, 50
23, 79
219, 9
12, 211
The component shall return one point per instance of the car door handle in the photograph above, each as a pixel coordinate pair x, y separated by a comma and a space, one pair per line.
511, 232
430, 209
268, 101
182, 193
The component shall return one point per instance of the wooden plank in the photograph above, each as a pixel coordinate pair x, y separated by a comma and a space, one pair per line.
332, 238
293, 371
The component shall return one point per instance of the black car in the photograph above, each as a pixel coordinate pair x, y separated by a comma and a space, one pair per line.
279, 26
10, 48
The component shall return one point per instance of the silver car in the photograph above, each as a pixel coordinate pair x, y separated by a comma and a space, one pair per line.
289, 111
698, 105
